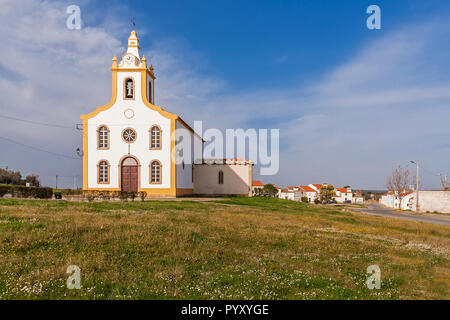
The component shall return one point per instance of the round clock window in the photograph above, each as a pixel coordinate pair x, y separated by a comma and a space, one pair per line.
129, 113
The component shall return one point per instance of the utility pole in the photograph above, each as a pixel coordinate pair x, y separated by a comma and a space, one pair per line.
445, 185
56, 187
417, 184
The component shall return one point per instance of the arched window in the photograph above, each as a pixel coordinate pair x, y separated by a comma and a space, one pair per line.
220, 177
103, 137
155, 137
155, 172
150, 92
128, 89
103, 172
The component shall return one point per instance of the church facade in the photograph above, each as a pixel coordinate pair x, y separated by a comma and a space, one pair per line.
130, 144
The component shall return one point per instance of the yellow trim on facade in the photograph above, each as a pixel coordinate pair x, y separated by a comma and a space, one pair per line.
160, 191
107, 106
85, 154
184, 191
172, 191
102, 189
173, 150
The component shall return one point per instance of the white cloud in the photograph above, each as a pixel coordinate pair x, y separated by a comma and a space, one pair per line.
387, 104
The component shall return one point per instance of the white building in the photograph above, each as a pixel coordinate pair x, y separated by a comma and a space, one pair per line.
215, 177
358, 200
279, 191
257, 186
306, 192
392, 200
287, 194
128, 143
343, 195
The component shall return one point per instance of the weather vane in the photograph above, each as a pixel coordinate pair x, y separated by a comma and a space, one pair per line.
133, 22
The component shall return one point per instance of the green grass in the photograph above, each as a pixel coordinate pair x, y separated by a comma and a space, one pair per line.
232, 248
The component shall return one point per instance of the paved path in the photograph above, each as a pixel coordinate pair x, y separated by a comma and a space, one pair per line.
379, 210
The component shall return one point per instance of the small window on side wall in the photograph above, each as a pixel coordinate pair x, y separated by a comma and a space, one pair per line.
220, 177
128, 89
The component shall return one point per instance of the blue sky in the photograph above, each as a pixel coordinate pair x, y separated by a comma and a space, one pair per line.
350, 103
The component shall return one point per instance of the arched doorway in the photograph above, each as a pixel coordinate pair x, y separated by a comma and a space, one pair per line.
130, 174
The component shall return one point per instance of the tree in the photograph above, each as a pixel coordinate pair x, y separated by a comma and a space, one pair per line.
257, 192
326, 193
399, 183
33, 179
10, 177
269, 191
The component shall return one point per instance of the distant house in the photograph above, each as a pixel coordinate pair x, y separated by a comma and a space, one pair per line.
279, 191
358, 197
287, 194
343, 195
392, 200
316, 187
256, 186
306, 192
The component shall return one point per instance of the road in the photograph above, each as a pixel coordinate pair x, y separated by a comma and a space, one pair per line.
379, 210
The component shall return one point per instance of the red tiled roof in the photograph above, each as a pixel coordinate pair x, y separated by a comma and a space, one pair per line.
318, 186
257, 183
308, 189
343, 190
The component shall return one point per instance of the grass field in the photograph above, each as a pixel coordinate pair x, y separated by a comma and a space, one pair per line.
236, 248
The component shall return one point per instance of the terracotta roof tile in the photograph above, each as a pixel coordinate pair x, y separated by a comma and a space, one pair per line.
257, 183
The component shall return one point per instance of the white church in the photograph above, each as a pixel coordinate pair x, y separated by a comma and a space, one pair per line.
132, 145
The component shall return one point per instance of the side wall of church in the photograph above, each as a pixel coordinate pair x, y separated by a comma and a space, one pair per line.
237, 179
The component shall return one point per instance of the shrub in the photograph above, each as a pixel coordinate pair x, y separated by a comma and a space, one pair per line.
143, 195
90, 195
3, 190
304, 199
105, 195
43, 192
269, 190
26, 192
123, 195
316, 201
71, 192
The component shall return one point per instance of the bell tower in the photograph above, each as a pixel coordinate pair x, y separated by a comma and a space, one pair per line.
133, 44
133, 62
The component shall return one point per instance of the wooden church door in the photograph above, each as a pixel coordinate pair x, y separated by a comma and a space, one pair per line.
129, 175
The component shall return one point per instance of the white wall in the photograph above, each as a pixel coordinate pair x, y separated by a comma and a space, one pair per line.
287, 195
438, 201
184, 176
143, 119
237, 179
